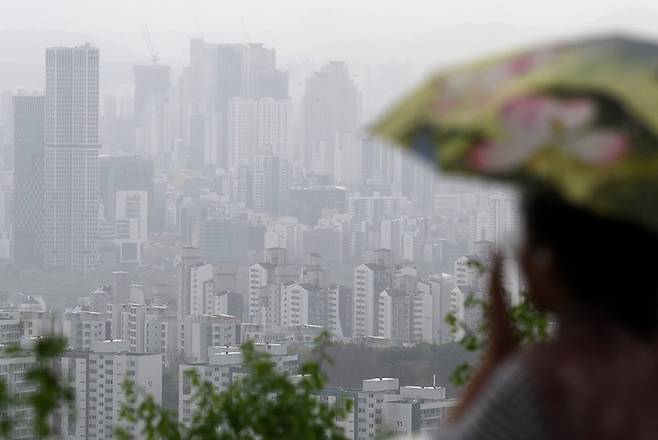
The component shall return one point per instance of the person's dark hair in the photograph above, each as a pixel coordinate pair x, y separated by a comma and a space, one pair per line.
609, 265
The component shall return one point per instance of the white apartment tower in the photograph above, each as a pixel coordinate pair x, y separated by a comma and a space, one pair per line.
258, 125
242, 134
221, 367
189, 257
261, 281
202, 288
503, 218
82, 328
96, 379
12, 373
71, 158
131, 224
274, 126
369, 281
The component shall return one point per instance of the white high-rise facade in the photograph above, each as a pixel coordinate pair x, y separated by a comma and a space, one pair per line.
348, 157
131, 224
201, 289
189, 257
82, 328
503, 217
258, 126
369, 281
96, 379
12, 373
274, 126
71, 158
261, 282
242, 136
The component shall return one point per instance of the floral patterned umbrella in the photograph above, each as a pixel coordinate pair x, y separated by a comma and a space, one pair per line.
581, 117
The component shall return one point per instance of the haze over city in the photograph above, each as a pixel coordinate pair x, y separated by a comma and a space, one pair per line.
185, 182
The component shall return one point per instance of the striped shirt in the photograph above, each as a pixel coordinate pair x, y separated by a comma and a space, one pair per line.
508, 409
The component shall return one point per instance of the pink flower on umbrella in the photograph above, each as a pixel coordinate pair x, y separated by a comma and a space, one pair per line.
600, 147
531, 123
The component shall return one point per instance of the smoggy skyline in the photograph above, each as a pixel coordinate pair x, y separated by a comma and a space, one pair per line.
421, 32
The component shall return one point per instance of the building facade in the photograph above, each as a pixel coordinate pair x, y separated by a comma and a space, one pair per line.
71, 158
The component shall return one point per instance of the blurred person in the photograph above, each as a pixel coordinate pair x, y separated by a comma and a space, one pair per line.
574, 126
598, 377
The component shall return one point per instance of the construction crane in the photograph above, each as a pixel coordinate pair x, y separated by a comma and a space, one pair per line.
146, 35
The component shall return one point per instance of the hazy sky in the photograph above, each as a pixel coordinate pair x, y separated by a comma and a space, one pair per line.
425, 32
317, 19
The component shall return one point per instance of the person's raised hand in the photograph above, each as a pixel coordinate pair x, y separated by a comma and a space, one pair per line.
502, 337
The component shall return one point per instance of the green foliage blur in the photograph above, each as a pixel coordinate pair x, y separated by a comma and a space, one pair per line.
530, 325
264, 404
42, 393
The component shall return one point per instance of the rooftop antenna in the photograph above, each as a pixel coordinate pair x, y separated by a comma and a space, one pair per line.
433, 380
246, 34
156, 56
198, 25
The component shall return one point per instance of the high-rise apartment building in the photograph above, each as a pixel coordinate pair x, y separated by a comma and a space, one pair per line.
201, 332
221, 72
82, 328
242, 133
268, 185
28, 179
331, 105
71, 158
258, 126
221, 367
223, 86
374, 207
224, 240
348, 154
274, 126
152, 110
152, 84
369, 281
131, 224
261, 286
16, 385
202, 288
96, 379
503, 215
124, 173
190, 256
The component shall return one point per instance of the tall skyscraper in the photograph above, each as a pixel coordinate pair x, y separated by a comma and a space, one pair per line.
369, 281
331, 104
348, 154
131, 224
222, 85
71, 158
242, 130
152, 83
254, 126
28, 180
224, 240
268, 185
125, 173
503, 217
189, 257
275, 126
152, 108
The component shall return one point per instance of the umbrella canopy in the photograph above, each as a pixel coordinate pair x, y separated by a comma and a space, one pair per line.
580, 117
